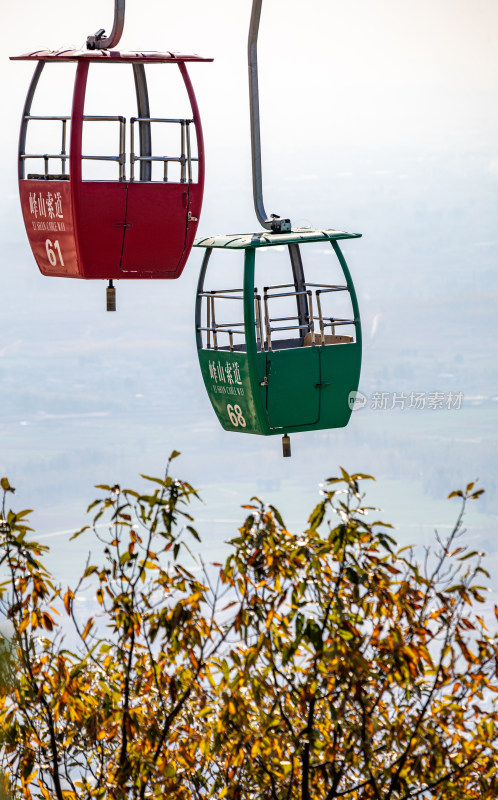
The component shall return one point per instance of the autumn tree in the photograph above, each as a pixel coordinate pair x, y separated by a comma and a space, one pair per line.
324, 663
361, 671
114, 717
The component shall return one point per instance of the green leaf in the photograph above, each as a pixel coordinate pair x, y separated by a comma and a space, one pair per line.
469, 555
346, 476
317, 516
278, 516
352, 576
21, 514
78, 533
194, 533
160, 481
314, 634
170, 770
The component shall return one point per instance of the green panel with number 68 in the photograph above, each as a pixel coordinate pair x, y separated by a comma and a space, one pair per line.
227, 380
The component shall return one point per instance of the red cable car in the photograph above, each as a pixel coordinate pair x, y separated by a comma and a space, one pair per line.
129, 227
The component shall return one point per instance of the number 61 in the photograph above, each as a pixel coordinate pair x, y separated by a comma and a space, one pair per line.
51, 248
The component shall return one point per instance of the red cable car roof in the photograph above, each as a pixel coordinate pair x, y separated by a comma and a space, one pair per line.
124, 56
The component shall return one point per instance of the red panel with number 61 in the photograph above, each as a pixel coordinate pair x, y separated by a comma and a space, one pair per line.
48, 219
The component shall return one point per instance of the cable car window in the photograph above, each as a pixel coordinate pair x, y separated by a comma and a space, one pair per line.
46, 153
166, 89
332, 306
282, 300
113, 147
306, 301
110, 101
222, 303
54, 92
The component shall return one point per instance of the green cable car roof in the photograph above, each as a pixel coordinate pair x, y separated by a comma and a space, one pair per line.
242, 241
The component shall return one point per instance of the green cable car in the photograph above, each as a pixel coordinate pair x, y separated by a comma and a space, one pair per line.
269, 374
288, 357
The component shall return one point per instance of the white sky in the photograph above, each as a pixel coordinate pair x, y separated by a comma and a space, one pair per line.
363, 74
342, 83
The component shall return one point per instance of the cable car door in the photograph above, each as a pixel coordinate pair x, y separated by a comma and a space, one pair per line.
150, 207
293, 397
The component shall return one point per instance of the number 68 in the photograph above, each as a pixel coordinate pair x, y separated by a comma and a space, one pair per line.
236, 416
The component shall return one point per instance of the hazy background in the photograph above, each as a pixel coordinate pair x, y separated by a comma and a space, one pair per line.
378, 116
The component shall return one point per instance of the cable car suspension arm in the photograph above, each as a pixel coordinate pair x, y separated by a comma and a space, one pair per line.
99, 41
273, 223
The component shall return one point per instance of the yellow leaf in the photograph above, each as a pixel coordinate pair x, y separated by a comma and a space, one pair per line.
88, 626
255, 749
48, 622
68, 600
24, 624
43, 790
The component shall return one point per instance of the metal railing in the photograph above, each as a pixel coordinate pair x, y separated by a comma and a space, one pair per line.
302, 326
121, 158
214, 328
326, 322
306, 325
64, 155
184, 159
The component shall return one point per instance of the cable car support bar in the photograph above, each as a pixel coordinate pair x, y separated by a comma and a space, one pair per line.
274, 223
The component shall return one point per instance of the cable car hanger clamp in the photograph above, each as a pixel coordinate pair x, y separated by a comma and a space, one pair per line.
101, 42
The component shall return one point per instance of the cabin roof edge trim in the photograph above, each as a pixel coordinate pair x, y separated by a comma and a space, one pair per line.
117, 56
244, 241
